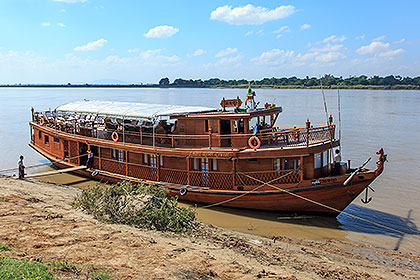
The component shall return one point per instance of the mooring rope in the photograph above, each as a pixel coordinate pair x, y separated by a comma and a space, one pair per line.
328, 207
247, 192
41, 164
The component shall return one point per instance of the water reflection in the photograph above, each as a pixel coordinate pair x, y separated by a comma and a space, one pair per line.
402, 225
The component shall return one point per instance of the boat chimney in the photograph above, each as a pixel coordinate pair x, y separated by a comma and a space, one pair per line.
308, 124
330, 119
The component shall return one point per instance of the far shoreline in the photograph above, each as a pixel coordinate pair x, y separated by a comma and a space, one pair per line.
357, 87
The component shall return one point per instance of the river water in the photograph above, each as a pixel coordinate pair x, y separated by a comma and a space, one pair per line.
371, 119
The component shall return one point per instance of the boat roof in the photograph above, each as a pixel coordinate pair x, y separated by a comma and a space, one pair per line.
129, 109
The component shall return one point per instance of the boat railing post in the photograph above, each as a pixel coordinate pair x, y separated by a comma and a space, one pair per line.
210, 137
99, 158
308, 126
126, 163
188, 170
141, 135
301, 168
172, 141
123, 130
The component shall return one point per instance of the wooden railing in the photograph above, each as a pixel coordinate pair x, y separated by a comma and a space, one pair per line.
273, 137
206, 179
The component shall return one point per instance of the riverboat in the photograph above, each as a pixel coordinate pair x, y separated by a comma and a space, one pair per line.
227, 156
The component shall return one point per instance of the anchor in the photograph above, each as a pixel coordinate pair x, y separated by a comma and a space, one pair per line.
367, 199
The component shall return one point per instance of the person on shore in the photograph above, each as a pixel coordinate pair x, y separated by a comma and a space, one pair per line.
21, 168
337, 161
89, 161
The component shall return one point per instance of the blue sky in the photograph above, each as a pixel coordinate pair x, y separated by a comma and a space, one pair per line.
82, 41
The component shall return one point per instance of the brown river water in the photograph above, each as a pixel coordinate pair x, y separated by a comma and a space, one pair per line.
371, 119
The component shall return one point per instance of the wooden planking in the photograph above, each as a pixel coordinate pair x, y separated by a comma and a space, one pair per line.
71, 169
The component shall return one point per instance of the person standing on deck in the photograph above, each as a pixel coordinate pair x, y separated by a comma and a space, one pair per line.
21, 168
89, 161
337, 161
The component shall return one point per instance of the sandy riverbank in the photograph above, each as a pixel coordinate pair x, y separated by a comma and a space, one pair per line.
38, 219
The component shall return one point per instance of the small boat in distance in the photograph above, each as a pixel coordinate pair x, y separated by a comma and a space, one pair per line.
227, 156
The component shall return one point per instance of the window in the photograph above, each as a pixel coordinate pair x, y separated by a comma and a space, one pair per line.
214, 164
206, 125
318, 160
153, 162
234, 126
46, 140
277, 165
145, 156
39, 134
56, 140
161, 160
195, 163
205, 164
324, 158
120, 156
181, 126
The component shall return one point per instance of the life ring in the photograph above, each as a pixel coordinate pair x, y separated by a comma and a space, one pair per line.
183, 191
296, 135
41, 121
251, 139
94, 173
114, 136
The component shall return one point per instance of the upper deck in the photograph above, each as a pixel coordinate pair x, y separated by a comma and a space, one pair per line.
180, 126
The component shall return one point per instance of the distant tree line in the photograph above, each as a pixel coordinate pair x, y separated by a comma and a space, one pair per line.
327, 81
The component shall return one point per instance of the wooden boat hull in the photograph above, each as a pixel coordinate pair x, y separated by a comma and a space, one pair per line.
328, 195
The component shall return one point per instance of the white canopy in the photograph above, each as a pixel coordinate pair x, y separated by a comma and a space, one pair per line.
129, 110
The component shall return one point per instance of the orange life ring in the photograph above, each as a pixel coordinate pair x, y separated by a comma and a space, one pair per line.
252, 138
41, 121
114, 136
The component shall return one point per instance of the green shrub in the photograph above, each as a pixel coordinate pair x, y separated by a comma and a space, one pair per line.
4, 247
11, 269
139, 205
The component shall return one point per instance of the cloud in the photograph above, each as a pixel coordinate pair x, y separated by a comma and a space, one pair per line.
229, 60
273, 57
70, 1
361, 37
226, 52
379, 49
400, 41
249, 33
161, 31
328, 48
134, 50
156, 56
199, 52
324, 54
373, 48
380, 38
92, 45
330, 56
281, 30
61, 24
391, 53
46, 24
334, 38
305, 26
250, 14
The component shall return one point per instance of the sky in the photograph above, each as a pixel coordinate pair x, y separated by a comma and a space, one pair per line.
128, 41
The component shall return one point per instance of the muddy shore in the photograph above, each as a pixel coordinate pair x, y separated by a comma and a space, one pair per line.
38, 220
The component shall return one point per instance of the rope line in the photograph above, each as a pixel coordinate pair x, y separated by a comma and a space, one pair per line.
41, 164
329, 207
247, 192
